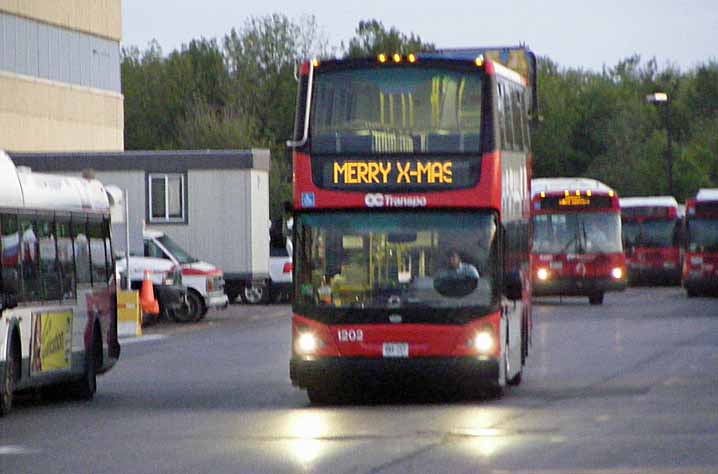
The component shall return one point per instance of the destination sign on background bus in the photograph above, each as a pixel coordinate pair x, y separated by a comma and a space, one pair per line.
399, 173
573, 201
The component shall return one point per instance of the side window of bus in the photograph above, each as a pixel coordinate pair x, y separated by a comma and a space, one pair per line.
500, 119
97, 253
66, 258
517, 113
82, 252
50, 287
29, 259
508, 119
10, 250
109, 257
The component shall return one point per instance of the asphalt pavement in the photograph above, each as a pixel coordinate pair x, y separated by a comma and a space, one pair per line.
627, 387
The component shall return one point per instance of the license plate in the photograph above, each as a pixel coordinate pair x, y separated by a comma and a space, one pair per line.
395, 349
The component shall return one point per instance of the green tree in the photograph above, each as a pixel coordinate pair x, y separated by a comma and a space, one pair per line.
372, 38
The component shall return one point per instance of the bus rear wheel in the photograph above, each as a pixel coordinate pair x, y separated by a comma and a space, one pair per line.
85, 388
7, 381
596, 298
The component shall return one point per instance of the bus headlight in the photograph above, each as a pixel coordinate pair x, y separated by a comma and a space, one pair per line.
542, 274
307, 343
617, 273
484, 341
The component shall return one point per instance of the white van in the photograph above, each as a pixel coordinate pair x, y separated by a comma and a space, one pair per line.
204, 281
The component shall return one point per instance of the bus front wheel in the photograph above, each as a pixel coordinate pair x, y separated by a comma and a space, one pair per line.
596, 299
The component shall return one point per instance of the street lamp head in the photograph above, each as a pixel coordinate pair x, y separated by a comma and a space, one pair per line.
657, 97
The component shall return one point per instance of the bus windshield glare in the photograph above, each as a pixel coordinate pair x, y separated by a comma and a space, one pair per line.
386, 260
703, 235
577, 233
397, 110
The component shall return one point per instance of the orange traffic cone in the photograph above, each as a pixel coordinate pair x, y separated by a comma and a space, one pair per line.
149, 303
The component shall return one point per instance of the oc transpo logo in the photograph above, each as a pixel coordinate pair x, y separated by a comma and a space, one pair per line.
394, 200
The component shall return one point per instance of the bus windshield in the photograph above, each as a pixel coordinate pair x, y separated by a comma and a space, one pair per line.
577, 233
658, 234
703, 235
386, 260
397, 110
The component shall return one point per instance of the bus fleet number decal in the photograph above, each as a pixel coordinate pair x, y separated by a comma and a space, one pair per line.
350, 335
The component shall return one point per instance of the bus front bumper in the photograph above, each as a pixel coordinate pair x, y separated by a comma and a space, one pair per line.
577, 287
349, 371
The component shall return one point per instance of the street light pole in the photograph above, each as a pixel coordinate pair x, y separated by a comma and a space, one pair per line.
661, 99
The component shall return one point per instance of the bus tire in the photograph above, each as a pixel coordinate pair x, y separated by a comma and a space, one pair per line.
86, 387
596, 298
320, 395
516, 379
8, 379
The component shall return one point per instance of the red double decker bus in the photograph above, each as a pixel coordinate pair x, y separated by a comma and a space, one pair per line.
411, 224
577, 249
651, 228
700, 264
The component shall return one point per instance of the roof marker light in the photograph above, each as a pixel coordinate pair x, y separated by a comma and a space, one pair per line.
411, 58
382, 58
611, 193
396, 57
479, 61
543, 194
588, 193
315, 62
565, 192
578, 193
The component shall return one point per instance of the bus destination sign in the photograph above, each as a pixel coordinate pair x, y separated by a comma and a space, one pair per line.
397, 173
572, 201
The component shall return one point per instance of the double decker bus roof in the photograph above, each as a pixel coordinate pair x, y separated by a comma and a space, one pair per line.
649, 201
560, 185
21, 188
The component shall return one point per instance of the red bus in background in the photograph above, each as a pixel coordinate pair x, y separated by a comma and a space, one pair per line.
651, 228
700, 263
411, 225
577, 249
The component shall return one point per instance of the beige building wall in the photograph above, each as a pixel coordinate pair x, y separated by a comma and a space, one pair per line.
44, 115
40, 115
98, 17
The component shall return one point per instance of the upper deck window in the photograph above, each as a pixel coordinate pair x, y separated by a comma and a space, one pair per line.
397, 110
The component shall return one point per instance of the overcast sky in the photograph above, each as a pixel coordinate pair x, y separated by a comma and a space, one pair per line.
586, 34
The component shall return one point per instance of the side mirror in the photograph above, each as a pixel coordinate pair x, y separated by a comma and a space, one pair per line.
513, 287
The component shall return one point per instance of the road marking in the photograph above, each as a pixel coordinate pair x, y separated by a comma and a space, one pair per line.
16, 449
148, 338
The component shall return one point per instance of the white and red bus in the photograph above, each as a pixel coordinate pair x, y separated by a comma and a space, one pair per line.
577, 248
651, 228
700, 264
58, 311
411, 224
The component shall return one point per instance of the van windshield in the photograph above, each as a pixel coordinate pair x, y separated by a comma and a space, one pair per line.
177, 252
